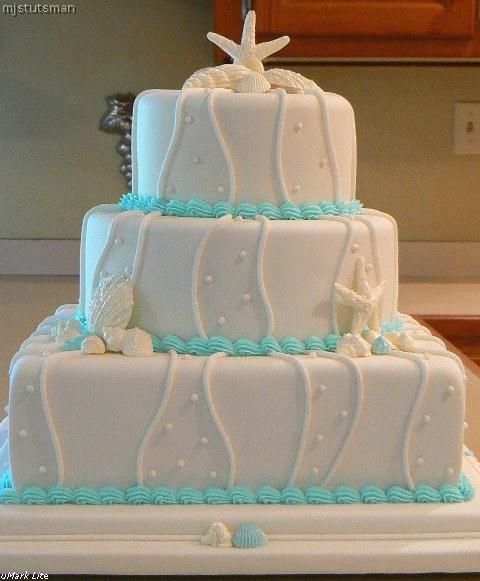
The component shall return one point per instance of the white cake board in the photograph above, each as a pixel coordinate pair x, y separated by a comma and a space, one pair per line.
383, 538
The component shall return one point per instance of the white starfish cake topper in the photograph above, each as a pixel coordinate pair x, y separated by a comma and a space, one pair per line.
247, 74
248, 53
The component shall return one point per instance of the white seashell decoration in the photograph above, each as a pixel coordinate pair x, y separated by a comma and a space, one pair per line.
221, 77
289, 80
402, 341
353, 346
113, 337
217, 535
252, 83
111, 304
93, 345
137, 343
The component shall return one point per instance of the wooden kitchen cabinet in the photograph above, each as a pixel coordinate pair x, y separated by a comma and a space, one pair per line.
360, 28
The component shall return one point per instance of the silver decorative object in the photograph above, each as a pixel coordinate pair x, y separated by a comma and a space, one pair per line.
118, 119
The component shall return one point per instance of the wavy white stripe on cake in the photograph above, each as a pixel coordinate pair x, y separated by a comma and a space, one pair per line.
172, 147
367, 211
141, 245
260, 270
207, 388
215, 224
332, 155
376, 256
223, 145
348, 222
279, 140
154, 425
353, 177
83, 241
412, 419
359, 397
307, 418
122, 216
57, 446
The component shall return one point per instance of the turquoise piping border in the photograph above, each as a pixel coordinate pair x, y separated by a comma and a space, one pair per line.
239, 348
197, 208
235, 495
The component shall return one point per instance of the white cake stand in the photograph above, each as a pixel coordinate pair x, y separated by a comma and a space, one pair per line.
357, 538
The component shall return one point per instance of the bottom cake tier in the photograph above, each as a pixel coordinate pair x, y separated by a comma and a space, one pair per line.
375, 428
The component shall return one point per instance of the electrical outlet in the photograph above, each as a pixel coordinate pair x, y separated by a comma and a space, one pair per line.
467, 128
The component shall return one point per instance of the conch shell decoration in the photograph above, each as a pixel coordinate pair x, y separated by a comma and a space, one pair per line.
108, 315
247, 73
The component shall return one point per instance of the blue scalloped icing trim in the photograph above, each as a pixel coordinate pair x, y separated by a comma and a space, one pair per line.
197, 208
235, 495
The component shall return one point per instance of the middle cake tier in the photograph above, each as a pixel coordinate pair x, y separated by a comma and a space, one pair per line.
238, 278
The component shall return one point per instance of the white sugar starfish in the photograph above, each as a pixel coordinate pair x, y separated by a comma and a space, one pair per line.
247, 53
364, 301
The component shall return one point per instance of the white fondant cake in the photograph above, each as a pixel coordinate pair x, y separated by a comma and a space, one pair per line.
282, 371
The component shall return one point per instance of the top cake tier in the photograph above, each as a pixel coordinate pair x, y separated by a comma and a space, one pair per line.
220, 145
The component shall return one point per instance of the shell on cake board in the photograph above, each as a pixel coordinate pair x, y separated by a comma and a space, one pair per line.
111, 304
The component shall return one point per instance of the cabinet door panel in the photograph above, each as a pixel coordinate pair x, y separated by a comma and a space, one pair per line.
449, 19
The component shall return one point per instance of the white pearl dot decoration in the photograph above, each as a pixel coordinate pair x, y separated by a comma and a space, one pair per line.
420, 461
242, 254
127, 270
322, 162
221, 189
319, 437
103, 273
426, 419
170, 189
196, 160
296, 188
450, 471
208, 279
212, 474
153, 473
42, 469
30, 388
194, 397
344, 414
204, 441
222, 320
238, 218
188, 119
6, 409
246, 298
298, 127
23, 434
322, 388
450, 389
118, 241
180, 463
465, 425
354, 248
316, 470
369, 267
168, 427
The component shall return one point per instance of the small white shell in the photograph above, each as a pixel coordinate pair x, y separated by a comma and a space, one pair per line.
113, 337
221, 77
252, 83
137, 343
111, 304
402, 341
353, 346
93, 345
289, 80
217, 535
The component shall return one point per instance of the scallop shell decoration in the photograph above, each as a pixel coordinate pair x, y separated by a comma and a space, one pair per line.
222, 77
111, 305
217, 535
249, 536
137, 343
252, 83
289, 80
93, 345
